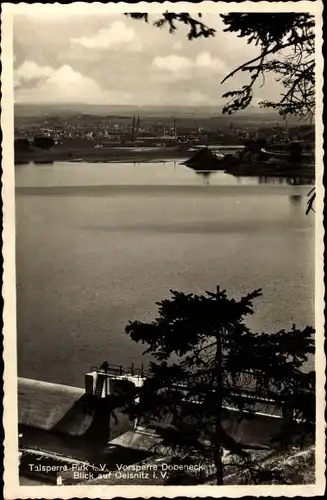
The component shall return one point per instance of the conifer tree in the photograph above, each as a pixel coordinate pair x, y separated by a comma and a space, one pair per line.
207, 359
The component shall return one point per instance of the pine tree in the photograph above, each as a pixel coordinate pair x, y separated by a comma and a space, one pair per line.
206, 359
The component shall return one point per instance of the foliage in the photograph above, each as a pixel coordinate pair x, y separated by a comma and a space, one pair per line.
21, 145
286, 42
286, 46
196, 27
43, 142
207, 360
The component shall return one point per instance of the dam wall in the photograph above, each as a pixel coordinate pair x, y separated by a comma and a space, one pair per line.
90, 414
68, 411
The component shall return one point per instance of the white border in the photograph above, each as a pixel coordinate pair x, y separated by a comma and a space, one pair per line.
12, 488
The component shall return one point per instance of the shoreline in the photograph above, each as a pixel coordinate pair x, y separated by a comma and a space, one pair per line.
261, 169
246, 171
105, 156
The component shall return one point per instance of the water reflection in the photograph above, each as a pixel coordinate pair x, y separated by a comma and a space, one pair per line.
295, 199
271, 180
161, 173
293, 181
296, 206
205, 176
300, 181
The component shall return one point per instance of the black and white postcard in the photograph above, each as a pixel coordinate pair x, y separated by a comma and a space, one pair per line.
163, 249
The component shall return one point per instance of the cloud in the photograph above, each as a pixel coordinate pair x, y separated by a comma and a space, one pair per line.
116, 35
175, 64
172, 63
30, 71
104, 55
205, 60
62, 85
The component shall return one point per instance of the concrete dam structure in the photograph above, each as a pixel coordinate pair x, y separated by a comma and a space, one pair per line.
90, 414
75, 412
62, 425
59, 423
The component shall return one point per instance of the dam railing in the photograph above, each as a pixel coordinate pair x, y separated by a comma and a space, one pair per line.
120, 370
248, 392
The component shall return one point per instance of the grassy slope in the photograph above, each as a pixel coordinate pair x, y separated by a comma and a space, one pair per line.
297, 467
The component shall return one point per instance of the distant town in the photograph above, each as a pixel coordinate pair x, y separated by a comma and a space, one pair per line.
45, 135
158, 131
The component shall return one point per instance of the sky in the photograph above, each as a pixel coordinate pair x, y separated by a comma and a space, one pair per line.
106, 58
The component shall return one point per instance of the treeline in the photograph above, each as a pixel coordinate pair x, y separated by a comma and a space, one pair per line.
23, 144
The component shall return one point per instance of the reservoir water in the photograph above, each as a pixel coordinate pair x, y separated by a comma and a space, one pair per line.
99, 244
